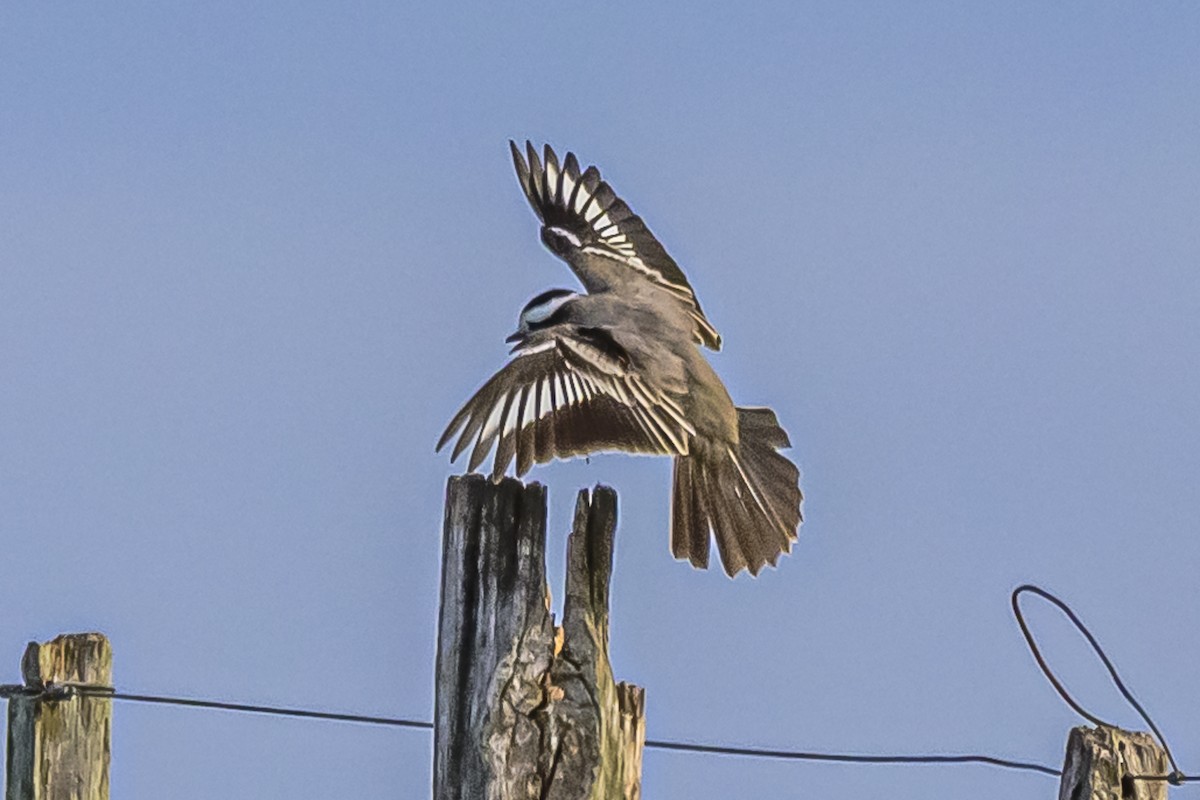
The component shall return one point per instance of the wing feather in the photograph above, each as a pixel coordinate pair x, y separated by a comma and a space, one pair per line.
568, 400
606, 243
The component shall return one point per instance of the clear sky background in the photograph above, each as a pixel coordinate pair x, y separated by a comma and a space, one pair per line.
254, 256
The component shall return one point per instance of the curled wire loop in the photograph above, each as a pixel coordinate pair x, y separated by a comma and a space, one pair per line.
1176, 777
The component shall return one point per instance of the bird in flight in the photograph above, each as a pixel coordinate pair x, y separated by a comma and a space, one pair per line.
619, 368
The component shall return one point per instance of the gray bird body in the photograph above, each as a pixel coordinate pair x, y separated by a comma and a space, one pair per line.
618, 368
653, 329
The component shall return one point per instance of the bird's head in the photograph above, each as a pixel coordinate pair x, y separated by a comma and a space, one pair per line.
544, 311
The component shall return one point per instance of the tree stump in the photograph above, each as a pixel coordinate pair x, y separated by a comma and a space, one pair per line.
524, 709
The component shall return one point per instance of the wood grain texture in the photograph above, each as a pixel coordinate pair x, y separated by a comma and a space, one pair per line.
59, 748
495, 639
524, 710
1101, 761
594, 739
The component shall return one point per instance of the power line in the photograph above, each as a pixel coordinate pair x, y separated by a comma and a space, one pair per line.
63, 691
1176, 777
853, 758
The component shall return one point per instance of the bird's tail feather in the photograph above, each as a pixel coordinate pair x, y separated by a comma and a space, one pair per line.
746, 496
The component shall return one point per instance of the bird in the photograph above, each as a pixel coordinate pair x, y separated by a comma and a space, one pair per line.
618, 367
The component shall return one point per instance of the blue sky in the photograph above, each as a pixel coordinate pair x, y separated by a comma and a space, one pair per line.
252, 258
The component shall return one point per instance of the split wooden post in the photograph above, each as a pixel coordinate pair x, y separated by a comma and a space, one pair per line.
59, 746
1101, 764
524, 709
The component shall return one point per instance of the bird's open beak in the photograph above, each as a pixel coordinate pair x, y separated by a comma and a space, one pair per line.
516, 337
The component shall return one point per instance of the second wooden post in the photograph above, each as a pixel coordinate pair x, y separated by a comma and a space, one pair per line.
59, 745
1112, 764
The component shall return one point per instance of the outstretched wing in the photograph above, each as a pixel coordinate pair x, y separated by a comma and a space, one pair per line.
570, 396
593, 230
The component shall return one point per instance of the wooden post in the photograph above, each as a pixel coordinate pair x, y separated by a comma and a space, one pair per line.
524, 709
600, 725
59, 746
1101, 763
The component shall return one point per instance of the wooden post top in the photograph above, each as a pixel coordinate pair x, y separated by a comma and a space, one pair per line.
83, 658
524, 709
60, 746
1103, 764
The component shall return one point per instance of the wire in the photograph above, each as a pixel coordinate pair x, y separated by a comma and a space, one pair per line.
852, 758
1176, 777
58, 691
61, 691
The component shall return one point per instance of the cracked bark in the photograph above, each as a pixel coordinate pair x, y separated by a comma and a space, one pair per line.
525, 710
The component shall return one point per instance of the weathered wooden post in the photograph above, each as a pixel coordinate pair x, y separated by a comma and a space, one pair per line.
524, 709
1102, 762
59, 745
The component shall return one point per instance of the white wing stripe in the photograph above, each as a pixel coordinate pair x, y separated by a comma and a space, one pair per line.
568, 186
617, 389
650, 428
564, 399
581, 200
514, 408
493, 422
570, 237
649, 407
537, 348
672, 408
551, 179
547, 405
528, 416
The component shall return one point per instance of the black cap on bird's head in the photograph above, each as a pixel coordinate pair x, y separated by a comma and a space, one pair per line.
543, 311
